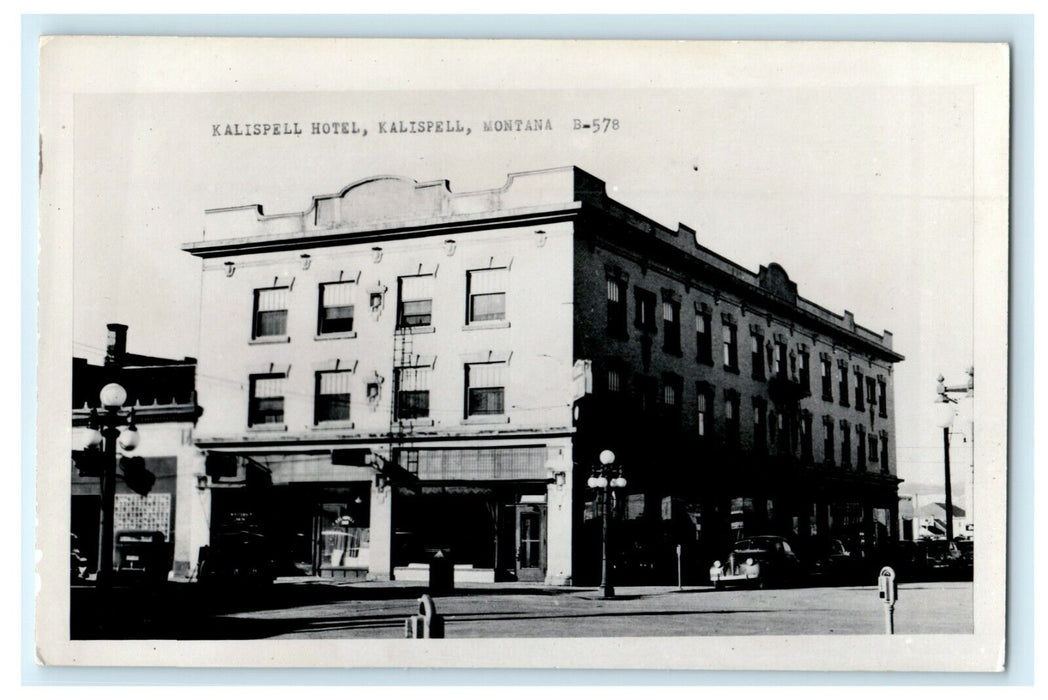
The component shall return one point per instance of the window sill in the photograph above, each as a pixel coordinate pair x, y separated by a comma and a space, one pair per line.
270, 339
485, 420
268, 428
346, 335
673, 351
729, 368
827, 397
485, 325
416, 422
416, 330
334, 425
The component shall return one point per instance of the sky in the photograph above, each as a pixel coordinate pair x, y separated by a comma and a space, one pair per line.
857, 179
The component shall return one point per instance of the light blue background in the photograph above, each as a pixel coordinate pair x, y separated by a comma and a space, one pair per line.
1016, 30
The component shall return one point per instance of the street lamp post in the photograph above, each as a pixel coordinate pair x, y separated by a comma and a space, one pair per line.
105, 433
946, 408
605, 478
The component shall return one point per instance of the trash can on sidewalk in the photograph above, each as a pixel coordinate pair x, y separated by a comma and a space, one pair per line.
441, 572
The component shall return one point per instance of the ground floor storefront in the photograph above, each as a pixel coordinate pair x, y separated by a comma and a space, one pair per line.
494, 511
505, 510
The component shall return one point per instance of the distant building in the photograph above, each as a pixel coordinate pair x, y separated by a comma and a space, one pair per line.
402, 369
924, 517
162, 393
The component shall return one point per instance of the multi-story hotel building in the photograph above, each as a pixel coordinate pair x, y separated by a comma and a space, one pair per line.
401, 369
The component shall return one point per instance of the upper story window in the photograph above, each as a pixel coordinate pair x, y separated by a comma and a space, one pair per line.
614, 380
780, 360
884, 451
860, 447
860, 402
266, 403
703, 337
760, 424
332, 399
804, 369
827, 378
828, 445
336, 307
486, 290
842, 366
702, 412
757, 353
731, 416
485, 389
412, 392
270, 312
845, 444
671, 326
882, 397
644, 318
872, 439
671, 391
805, 429
415, 301
729, 334
871, 391
616, 308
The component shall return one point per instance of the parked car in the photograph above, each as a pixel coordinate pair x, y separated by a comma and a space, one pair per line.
830, 562
760, 561
942, 559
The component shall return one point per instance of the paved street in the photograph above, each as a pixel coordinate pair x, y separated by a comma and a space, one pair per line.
304, 609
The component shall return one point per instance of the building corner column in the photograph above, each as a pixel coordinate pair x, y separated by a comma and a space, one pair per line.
380, 567
559, 519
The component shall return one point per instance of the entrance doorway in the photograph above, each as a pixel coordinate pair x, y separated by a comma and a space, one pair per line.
531, 542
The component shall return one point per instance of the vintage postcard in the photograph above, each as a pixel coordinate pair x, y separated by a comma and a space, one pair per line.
625, 354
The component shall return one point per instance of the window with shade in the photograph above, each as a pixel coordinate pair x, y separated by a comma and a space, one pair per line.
731, 417
827, 379
414, 301
266, 403
336, 308
757, 355
270, 319
845, 444
703, 345
703, 405
843, 381
882, 398
671, 327
616, 308
486, 389
731, 347
486, 291
412, 397
332, 399
860, 402
827, 440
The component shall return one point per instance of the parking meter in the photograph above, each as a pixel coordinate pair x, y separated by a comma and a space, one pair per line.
888, 591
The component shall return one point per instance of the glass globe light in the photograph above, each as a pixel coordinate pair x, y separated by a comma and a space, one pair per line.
619, 482
944, 413
128, 439
601, 482
592, 482
112, 395
93, 438
607, 457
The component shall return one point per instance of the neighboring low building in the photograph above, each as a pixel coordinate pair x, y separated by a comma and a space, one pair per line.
163, 395
401, 369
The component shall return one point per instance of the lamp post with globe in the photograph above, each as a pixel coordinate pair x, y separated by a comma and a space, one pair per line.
105, 436
606, 477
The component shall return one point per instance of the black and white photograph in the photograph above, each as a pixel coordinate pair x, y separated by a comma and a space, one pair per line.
533, 354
